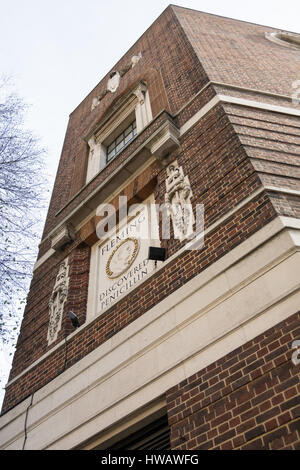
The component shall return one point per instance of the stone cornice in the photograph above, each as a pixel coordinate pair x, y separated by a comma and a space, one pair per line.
222, 99
279, 224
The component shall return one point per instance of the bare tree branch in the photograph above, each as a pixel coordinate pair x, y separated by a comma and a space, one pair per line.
22, 202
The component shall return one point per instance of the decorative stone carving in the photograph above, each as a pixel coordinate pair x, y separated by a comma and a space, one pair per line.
95, 103
114, 80
122, 257
57, 301
135, 59
178, 200
140, 93
92, 144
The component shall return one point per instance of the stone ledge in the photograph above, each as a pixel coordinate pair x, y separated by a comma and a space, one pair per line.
63, 236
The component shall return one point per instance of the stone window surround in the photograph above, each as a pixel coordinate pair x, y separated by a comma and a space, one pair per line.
157, 146
136, 107
286, 39
61, 227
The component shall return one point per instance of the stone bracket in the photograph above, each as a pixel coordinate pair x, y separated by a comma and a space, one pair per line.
165, 141
63, 236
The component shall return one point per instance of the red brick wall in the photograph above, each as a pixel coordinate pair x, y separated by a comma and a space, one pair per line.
245, 222
249, 399
228, 154
197, 47
32, 341
173, 74
272, 142
237, 52
219, 181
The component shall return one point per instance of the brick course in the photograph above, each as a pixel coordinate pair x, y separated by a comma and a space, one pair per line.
228, 154
247, 400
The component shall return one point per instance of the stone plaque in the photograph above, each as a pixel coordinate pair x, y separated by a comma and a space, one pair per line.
122, 259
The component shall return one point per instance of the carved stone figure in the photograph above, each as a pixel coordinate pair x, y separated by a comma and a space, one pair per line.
140, 93
114, 82
92, 144
95, 103
57, 300
178, 200
135, 59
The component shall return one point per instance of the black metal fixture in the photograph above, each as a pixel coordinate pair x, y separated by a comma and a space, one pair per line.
157, 254
74, 319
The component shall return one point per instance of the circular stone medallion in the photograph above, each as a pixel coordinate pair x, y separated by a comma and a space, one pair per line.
122, 257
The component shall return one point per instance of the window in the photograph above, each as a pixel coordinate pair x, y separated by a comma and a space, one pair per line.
118, 129
283, 38
154, 436
121, 141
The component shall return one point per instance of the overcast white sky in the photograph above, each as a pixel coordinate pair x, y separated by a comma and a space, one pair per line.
58, 50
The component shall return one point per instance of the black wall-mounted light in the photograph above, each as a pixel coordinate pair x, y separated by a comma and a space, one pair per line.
156, 253
74, 319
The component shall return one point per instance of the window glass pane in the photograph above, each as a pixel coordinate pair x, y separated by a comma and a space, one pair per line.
128, 138
110, 148
128, 130
119, 139
119, 143
119, 146
111, 154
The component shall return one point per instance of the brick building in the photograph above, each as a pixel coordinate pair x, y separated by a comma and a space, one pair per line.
195, 352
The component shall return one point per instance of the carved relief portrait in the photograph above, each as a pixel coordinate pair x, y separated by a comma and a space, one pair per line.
122, 257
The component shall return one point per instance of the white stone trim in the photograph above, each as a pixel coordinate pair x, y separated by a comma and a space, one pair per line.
250, 90
115, 193
275, 189
43, 258
232, 87
198, 115
268, 231
280, 224
95, 159
64, 235
280, 189
206, 108
235, 100
259, 105
137, 103
243, 294
162, 266
50, 252
165, 141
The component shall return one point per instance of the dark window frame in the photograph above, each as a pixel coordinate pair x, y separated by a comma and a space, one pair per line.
121, 141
